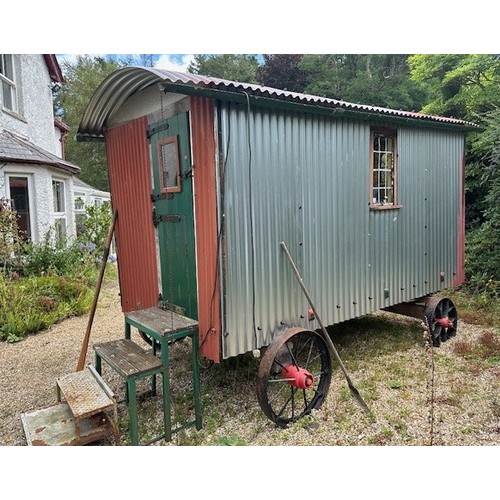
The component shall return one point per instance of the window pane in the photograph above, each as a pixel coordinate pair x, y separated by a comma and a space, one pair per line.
8, 69
7, 95
383, 165
169, 164
58, 196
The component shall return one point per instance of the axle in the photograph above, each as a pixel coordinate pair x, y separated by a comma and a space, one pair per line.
297, 377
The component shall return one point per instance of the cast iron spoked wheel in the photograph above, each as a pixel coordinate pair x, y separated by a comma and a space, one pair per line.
442, 317
294, 376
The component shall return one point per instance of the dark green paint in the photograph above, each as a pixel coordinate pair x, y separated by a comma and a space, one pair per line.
176, 238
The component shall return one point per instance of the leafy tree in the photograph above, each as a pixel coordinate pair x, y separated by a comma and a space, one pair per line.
282, 71
467, 86
236, 67
460, 85
81, 80
376, 79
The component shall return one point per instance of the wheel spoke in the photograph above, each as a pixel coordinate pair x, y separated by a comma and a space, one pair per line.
306, 404
445, 308
437, 332
306, 351
285, 405
294, 361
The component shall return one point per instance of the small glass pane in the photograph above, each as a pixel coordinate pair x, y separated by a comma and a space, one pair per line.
7, 96
58, 196
169, 164
8, 69
383, 165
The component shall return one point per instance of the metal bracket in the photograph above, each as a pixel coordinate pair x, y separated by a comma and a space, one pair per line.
161, 196
165, 218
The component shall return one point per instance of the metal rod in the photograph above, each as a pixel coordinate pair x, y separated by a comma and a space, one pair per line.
328, 340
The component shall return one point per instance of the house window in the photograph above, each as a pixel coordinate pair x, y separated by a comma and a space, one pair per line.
79, 202
383, 192
9, 98
20, 201
80, 215
168, 160
59, 208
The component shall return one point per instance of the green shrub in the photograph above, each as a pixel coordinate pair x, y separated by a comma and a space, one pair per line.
56, 279
10, 237
30, 304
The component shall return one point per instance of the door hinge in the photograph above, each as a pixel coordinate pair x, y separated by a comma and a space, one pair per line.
165, 218
161, 196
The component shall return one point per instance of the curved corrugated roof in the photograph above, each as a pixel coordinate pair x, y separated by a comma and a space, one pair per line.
125, 82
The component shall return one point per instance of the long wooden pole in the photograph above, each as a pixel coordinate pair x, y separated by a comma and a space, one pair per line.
107, 246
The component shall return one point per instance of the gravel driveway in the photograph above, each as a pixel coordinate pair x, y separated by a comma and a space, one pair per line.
395, 384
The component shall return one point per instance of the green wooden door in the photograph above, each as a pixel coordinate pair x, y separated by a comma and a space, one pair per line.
173, 213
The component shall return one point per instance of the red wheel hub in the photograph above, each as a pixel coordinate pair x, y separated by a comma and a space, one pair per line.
297, 377
444, 322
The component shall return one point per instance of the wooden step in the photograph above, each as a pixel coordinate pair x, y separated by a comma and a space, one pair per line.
127, 358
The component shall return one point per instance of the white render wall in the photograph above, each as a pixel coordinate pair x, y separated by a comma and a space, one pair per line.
40, 194
35, 118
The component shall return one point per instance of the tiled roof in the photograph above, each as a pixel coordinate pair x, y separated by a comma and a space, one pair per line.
16, 149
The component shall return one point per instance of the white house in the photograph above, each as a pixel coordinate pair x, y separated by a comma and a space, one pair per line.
34, 176
84, 195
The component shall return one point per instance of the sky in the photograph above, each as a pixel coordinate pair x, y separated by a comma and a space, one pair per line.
171, 62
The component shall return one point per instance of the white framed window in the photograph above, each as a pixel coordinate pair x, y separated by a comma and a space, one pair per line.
59, 207
79, 202
80, 214
9, 93
383, 169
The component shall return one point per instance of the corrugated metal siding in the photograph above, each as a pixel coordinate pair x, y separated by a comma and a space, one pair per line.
460, 272
305, 181
203, 144
130, 182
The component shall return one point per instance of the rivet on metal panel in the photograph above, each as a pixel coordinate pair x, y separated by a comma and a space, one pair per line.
386, 293
441, 276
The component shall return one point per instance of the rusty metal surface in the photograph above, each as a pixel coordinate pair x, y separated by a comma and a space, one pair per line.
129, 159
203, 140
126, 82
83, 394
55, 426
